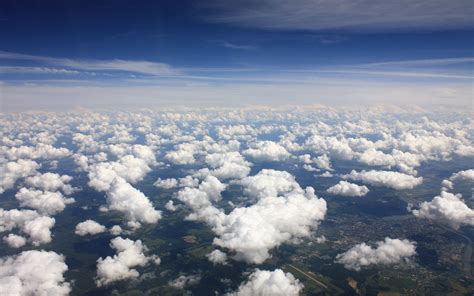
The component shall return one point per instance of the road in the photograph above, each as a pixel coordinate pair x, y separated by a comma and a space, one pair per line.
309, 276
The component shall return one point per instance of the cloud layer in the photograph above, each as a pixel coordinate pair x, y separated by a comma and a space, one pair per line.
389, 251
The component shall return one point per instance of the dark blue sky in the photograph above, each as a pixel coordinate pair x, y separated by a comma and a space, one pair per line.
177, 32
263, 40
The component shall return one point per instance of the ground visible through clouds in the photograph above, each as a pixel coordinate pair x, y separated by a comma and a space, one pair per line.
241, 201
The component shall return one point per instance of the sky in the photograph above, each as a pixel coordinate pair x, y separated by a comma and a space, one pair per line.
69, 54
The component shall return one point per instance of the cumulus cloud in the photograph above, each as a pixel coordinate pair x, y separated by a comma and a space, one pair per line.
184, 281
14, 170
321, 239
116, 230
269, 183
130, 168
170, 206
446, 208
467, 175
128, 200
267, 151
85, 143
228, 165
184, 154
14, 241
323, 162
39, 230
335, 147
217, 257
142, 152
200, 199
51, 182
252, 231
45, 202
405, 161
389, 251
37, 227
263, 282
130, 254
429, 145
169, 183
33, 273
44, 151
395, 180
326, 175
89, 227
345, 188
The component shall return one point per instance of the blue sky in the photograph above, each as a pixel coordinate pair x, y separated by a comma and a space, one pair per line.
227, 53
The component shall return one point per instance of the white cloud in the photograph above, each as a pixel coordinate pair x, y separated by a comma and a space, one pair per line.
335, 147
39, 230
228, 165
33, 273
252, 231
275, 283
389, 251
128, 200
217, 257
45, 202
429, 145
89, 227
130, 254
44, 151
135, 66
355, 16
406, 161
169, 183
446, 208
201, 199
85, 143
170, 206
395, 180
269, 183
51, 182
267, 151
326, 175
129, 167
208, 192
345, 188
14, 241
323, 162
467, 175
184, 154
184, 281
321, 239
116, 230
14, 170
37, 227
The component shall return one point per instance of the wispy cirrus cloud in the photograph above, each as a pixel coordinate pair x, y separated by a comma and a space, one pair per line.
435, 68
425, 62
133, 66
392, 73
344, 15
393, 81
238, 46
36, 70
